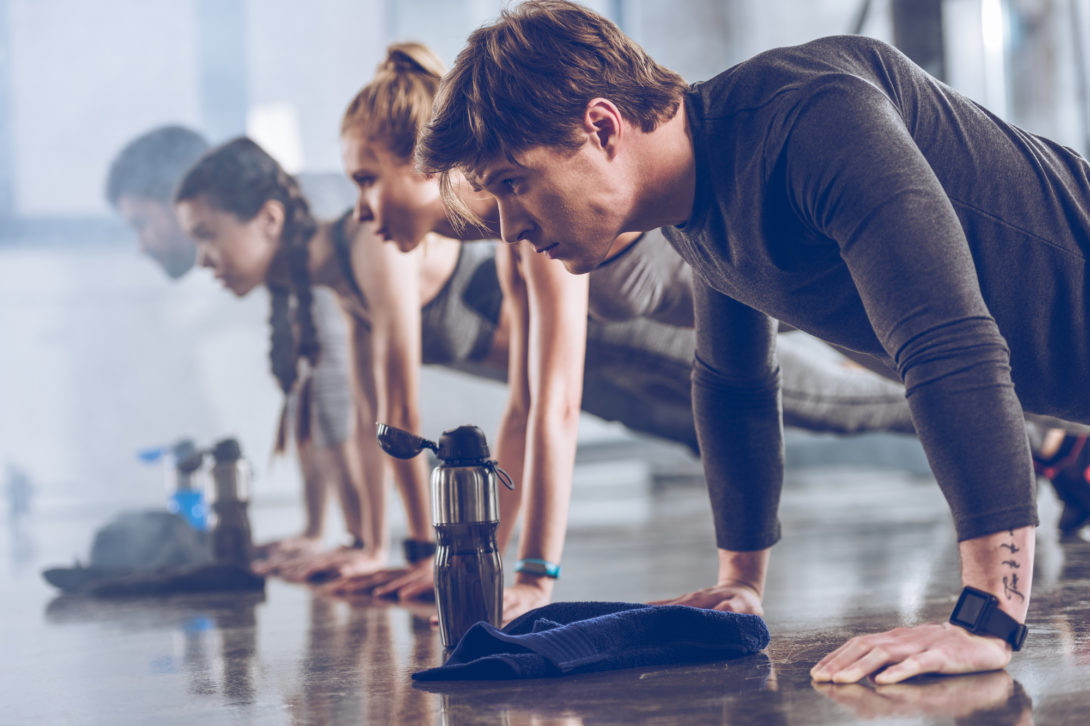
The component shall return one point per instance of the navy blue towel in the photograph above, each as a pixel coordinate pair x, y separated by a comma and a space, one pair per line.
583, 637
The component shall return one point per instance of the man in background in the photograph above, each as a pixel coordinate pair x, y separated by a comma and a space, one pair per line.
140, 185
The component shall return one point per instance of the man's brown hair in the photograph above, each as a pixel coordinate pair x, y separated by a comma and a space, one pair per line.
526, 80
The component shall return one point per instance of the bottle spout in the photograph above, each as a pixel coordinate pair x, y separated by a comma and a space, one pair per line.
402, 444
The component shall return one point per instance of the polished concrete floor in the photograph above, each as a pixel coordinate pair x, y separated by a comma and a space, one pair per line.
864, 550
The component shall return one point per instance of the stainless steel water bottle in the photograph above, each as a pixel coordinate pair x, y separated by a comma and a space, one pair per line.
232, 540
465, 512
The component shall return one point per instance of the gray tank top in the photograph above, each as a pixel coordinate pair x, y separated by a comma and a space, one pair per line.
647, 280
459, 323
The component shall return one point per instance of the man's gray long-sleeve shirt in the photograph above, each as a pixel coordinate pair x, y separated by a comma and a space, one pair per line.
844, 191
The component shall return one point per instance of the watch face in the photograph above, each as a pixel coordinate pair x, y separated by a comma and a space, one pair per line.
968, 611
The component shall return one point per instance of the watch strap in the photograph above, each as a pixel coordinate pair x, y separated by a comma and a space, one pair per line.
1004, 626
990, 618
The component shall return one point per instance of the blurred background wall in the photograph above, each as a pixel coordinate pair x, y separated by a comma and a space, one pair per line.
101, 356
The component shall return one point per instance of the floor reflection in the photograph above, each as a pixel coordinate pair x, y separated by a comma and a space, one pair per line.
721, 693
354, 670
292, 656
213, 638
984, 699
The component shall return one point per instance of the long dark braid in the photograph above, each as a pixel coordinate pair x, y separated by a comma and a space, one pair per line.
296, 252
240, 177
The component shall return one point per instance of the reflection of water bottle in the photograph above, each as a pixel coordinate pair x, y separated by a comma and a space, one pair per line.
187, 490
232, 540
465, 511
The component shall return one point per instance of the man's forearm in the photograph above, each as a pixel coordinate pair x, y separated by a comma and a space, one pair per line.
744, 568
742, 455
1002, 564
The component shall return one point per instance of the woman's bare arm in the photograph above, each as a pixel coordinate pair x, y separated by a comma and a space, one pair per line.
539, 429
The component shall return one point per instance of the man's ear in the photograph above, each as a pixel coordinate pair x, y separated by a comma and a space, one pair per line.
271, 218
604, 125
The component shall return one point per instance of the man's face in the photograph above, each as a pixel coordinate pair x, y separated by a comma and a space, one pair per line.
158, 233
564, 203
238, 253
403, 204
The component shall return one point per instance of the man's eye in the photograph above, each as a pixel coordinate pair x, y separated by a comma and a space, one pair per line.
510, 185
364, 180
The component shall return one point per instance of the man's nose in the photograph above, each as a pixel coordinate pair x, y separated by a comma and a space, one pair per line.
512, 224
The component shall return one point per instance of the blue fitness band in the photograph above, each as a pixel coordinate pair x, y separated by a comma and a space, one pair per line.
534, 566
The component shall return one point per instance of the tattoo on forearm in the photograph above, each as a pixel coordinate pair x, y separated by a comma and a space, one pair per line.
1010, 587
1010, 582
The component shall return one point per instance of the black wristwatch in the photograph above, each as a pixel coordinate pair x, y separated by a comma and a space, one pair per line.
979, 613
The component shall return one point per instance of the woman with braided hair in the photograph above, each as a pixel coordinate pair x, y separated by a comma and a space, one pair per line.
252, 225
140, 186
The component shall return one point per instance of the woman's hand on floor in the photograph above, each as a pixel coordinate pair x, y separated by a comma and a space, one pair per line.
415, 582
271, 556
903, 653
523, 597
357, 564
323, 567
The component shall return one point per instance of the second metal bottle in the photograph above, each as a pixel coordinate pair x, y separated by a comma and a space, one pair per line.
232, 540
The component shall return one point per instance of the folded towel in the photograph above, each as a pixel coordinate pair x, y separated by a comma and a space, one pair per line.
584, 637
